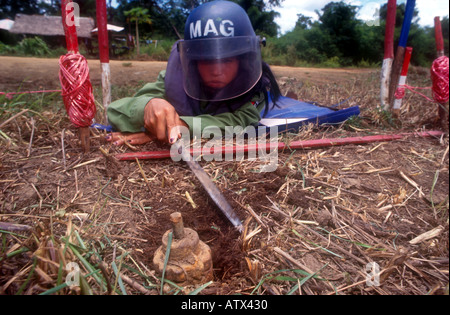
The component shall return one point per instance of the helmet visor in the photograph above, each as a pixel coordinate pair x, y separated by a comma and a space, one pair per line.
217, 69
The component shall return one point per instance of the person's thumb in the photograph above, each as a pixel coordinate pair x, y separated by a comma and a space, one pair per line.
174, 134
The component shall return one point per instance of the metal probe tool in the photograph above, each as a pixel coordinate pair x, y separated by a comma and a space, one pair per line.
212, 190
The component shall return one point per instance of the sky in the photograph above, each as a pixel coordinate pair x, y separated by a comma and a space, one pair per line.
289, 9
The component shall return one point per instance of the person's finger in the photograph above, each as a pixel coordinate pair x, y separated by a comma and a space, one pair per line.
150, 123
140, 138
114, 136
160, 128
119, 138
173, 129
159, 118
174, 134
152, 113
120, 141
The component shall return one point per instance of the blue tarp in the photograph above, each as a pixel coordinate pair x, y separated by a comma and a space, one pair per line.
291, 114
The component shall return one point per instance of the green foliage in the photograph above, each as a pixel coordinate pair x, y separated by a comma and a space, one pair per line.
333, 62
159, 51
339, 23
27, 47
6, 49
263, 20
138, 15
35, 103
9, 8
424, 47
34, 47
338, 38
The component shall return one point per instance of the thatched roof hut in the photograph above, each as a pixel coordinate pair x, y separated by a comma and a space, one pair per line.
49, 25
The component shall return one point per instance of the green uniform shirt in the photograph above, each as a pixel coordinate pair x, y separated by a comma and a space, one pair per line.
127, 114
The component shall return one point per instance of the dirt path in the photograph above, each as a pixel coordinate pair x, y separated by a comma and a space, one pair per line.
42, 73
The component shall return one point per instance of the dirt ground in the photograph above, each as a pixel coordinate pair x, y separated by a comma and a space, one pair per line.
311, 227
41, 73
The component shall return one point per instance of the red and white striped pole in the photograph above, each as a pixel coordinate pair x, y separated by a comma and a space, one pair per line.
388, 53
438, 37
103, 44
400, 93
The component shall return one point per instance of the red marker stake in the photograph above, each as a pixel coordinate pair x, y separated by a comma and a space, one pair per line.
304, 144
388, 53
401, 82
74, 76
438, 37
70, 29
103, 43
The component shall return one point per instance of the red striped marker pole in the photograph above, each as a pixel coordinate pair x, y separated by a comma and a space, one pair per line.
438, 37
103, 44
388, 54
401, 82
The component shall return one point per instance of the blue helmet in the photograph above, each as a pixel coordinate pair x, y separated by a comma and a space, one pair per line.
216, 31
218, 19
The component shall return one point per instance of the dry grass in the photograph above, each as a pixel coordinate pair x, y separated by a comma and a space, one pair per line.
311, 227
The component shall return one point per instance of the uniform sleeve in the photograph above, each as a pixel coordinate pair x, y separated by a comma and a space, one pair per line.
127, 114
247, 115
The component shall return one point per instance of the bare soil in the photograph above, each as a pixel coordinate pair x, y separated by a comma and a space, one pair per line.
327, 212
42, 73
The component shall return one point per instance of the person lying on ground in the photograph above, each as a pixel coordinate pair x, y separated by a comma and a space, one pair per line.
215, 74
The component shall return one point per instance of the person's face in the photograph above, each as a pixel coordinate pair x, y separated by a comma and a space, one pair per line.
217, 74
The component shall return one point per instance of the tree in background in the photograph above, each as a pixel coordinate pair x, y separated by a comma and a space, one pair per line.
339, 23
167, 17
138, 15
303, 22
262, 16
337, 38
9, 8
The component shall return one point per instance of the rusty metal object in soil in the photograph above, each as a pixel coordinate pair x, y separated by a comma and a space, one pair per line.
190, 260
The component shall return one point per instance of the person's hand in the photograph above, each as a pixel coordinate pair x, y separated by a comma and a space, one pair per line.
119, 138
162, 121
